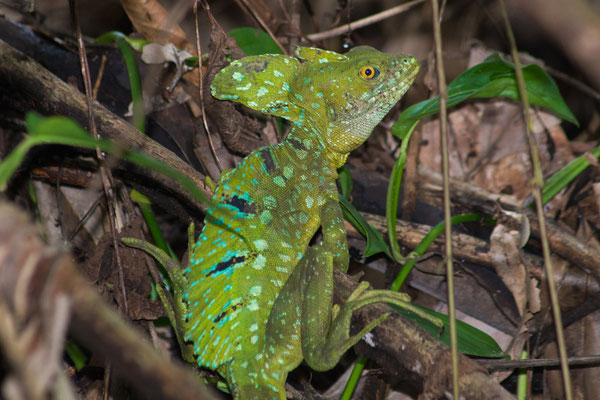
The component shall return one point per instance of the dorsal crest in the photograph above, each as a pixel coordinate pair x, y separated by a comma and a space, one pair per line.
318, 55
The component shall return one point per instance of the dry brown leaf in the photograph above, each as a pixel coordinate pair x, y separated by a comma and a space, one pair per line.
505, 252
591, 345
488, 146
154, 23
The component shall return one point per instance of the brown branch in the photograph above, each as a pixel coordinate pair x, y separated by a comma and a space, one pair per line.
26, 85
562, 242
536, 363
30, 270
35, 276
465, 247
404, 349
361, 23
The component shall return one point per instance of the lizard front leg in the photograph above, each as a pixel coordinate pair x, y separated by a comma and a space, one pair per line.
334, 234
325, 329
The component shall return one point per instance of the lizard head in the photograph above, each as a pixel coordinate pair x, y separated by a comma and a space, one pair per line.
334, 98
352, 92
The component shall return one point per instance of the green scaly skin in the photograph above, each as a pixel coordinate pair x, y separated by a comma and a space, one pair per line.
259, 299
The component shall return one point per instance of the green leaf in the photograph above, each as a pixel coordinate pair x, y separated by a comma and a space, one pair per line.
41, 127
471, 340
76, 355
126, 46
145, 206
565, 175
11, 162
492, 78
254, 42
62, 130
393, 193
113, 36
345, 180
375, 242
135, 84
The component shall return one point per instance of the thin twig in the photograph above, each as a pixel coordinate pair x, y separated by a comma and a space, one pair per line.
84, 218
536, 363
201, 82
577, 84
536, 187
361, 23
245, 6
116, 222
99, 77
437, 32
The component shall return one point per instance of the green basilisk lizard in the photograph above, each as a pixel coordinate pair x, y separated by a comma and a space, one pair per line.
258, 298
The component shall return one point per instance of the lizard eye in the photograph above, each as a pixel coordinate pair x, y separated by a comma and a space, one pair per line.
369, 72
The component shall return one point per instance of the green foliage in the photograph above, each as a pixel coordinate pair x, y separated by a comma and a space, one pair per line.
492, 78
113, 36
345, 181
393, 195
375, 242
565, 175
254, 42
126, 46
471, 340
64, 131
422, 247
145, 206
76, 355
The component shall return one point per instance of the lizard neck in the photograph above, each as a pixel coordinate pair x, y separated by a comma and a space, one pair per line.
307, 142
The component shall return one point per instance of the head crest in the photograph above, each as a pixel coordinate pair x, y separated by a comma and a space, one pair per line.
261, 83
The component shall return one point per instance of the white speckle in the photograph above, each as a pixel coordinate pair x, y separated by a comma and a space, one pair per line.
323, 60
278, 74
418, 367
260, 262
253, 327
254, 339
277, 282
261, 244
245, 87
253, 305
255, 290
237, 76
262, 91
309, 201
368, 338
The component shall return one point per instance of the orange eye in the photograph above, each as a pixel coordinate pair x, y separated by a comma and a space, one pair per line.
369, 72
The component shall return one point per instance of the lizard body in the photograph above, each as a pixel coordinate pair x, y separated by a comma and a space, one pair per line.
259, 298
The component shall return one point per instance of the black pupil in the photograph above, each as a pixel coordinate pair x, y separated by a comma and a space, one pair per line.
368, 71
